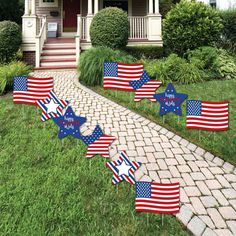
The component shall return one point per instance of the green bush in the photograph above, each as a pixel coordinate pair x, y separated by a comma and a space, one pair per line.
190, 25
10, 40
215, 63
7, 72
92, 63
205, 59
110, 28
148, 52
173, 69
229, 30
226, 66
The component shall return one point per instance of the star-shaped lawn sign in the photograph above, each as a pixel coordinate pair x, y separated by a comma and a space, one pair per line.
145, 87
98, 143
52, 106
170, 100
123, 169
69, 124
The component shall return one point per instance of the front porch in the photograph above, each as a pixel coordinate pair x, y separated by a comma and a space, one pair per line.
74, 18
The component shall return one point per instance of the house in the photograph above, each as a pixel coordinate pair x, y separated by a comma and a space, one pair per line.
73, 18
220, 4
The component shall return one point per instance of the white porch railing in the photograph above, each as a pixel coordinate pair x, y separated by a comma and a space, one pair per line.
83, 35
40, 40
138, 28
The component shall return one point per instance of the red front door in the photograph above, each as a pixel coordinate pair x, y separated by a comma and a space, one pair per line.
70, 10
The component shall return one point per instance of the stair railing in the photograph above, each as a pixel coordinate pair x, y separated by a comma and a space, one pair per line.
40, 40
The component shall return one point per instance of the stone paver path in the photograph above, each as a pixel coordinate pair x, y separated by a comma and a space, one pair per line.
208, 184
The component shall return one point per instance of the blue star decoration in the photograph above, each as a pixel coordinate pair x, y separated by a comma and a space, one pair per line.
69, 124
170, 100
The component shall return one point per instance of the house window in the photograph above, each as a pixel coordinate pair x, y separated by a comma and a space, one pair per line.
213, 3
48, 3
120, 4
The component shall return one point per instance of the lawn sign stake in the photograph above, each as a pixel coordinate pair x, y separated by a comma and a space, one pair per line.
170, 100
145, 87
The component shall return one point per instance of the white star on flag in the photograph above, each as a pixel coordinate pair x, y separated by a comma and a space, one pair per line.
123, 168
51, 106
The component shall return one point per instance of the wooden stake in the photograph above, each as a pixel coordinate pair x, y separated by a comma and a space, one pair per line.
162, 219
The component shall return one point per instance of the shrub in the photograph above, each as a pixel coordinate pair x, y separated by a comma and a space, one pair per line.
229, 30
7, 72
226, 67
215, 63
148, 52
205, 59
92, 63
173, 69
190, 25
110, 28
10, 40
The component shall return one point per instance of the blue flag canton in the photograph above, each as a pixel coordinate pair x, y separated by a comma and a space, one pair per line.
137, 84
97, 133
143, 190
20, 83
194, 108
110, 69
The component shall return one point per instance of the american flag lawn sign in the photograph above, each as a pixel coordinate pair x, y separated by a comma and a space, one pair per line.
145, 87
118, 75
213, 116
98, 143
157, 197
27, 90
52, 106
123, 169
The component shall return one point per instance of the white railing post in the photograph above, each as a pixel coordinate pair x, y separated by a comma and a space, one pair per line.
78, 37
138, 27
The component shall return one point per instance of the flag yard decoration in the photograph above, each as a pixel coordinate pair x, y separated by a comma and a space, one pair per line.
98, 143
123, 169
213, 116
170, 100
69, 124
118, 75
157, 197
52, 106
27, 90
145, 88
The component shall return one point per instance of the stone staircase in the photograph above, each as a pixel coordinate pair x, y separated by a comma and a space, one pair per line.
58, 53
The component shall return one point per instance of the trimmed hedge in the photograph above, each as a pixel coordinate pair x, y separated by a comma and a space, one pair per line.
10, 40
229, 30
149, 52
7, 72
110, 28
190, 25
91, 63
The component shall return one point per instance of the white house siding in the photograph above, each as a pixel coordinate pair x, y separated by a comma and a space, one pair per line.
222, 4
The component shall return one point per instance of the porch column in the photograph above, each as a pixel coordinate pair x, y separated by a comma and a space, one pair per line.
156, 6
26, 7
150, 7
33, 10
95, 7
90, 6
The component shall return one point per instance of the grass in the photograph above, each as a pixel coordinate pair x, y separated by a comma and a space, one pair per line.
222, 144
47, 187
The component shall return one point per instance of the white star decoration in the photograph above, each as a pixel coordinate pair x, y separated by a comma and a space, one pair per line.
123, 168
52, 106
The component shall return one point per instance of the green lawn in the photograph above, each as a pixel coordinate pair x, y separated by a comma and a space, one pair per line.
47, 187
219, 143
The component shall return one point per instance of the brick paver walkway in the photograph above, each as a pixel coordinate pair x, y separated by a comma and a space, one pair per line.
208, 184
